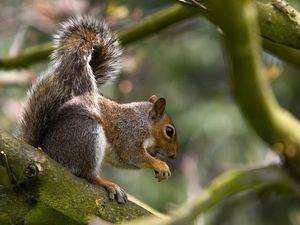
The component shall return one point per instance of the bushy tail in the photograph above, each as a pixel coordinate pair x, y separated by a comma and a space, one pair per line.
86, 55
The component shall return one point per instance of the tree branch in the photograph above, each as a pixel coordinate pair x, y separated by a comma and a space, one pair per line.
280, 29
272, 123
148, 26
225, 186
257, 102
13, 206
279, 23
271, 16
285, 53
27, 57
43, 180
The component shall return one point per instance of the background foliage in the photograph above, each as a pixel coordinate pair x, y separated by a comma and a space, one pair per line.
186, 65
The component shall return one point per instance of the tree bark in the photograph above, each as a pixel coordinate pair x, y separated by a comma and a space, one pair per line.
46, 187
279, 28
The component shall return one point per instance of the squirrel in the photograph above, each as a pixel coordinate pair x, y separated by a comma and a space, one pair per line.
75, 125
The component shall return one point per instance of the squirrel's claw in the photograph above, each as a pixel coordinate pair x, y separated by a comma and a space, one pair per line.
114, 191
121, 196
111, 192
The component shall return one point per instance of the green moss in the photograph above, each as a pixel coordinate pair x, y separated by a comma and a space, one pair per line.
13, 206
5, 219
44, 215
4, 180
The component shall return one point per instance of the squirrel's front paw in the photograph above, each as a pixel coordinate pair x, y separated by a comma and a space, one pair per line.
162, 171
114, 191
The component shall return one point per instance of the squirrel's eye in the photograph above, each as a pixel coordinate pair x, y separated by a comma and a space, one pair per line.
169, 131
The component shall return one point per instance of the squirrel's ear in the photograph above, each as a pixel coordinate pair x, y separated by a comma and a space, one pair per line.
158, 108
153, 98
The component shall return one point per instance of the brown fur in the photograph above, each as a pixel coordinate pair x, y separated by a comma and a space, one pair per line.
127, 126
166, 146
77, 127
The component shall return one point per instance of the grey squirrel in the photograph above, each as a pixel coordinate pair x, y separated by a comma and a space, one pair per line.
75, 125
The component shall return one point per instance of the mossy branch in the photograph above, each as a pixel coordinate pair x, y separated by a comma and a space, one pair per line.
250, 87
62, 192
285, 53
279, 25
47, 183
146, 27
225, 186
27, 57
257, 102
279, 22
280, 28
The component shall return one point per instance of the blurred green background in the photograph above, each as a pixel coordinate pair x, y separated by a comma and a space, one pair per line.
186, 65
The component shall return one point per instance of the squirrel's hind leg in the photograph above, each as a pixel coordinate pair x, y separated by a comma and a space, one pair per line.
77, 141
114, 191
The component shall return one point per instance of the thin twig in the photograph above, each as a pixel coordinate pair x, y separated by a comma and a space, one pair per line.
4, 162
193, 3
